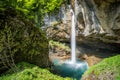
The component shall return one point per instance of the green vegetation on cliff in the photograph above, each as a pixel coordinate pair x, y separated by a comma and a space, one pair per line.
33, 10
60, 45
108, 69
31, 72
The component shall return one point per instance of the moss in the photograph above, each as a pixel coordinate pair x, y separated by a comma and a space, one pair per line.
58, 44
108, 65
31, 72
22, 39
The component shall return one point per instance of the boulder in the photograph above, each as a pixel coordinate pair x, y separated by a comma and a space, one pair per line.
21, 40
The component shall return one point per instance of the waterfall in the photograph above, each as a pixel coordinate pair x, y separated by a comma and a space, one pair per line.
73, 39
73, 67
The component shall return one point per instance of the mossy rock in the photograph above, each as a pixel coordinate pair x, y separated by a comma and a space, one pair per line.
21, 39
108, 69
28, 71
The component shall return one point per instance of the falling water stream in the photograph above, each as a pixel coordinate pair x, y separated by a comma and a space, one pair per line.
73, 39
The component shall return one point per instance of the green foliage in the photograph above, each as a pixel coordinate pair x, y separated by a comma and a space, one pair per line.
31, 72
52, 5
33, 9
58, 44
111, 65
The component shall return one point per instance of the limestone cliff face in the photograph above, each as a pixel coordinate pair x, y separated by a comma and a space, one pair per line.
95, 20
101, 19
108, 13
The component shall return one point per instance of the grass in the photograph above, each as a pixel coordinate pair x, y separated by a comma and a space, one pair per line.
111, 65
31, 72
58, 44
